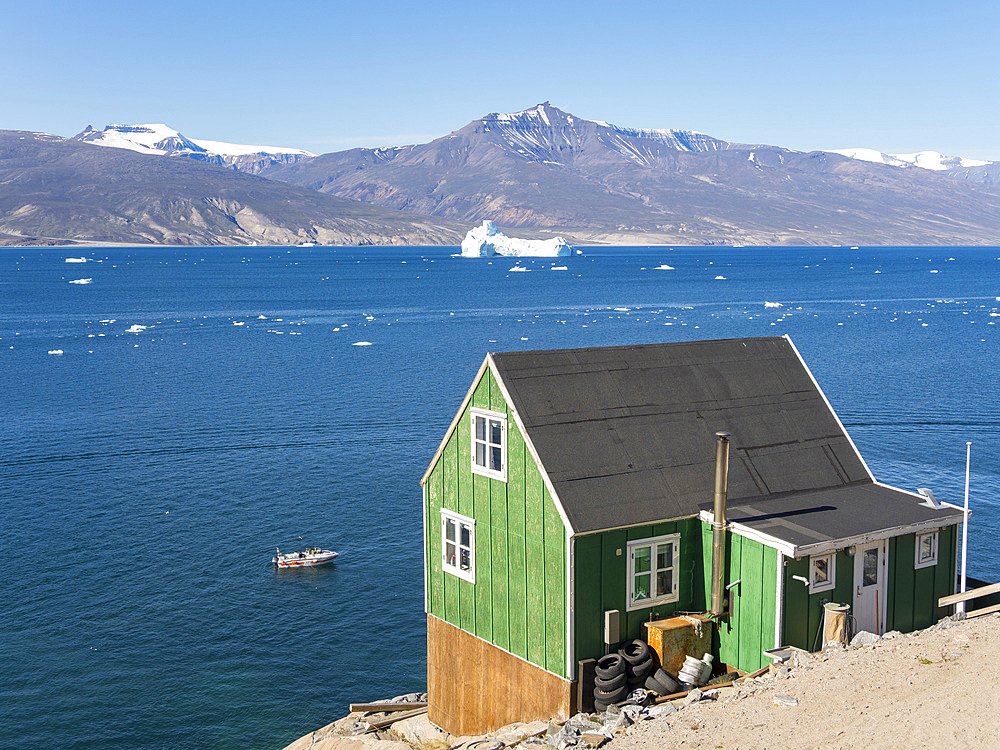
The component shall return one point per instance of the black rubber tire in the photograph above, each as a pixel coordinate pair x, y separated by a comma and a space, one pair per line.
667, 680
612, 696
635, 652
642, 670
600, 707
611, 683
656, 686
609, 666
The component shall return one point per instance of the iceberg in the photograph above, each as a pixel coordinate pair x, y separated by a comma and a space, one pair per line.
486, 241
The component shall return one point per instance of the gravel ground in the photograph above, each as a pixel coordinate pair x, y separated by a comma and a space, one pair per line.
939, 688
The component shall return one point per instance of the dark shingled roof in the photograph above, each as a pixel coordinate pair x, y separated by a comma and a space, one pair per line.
626, 434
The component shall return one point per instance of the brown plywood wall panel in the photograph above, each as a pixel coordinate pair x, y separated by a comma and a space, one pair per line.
474, 687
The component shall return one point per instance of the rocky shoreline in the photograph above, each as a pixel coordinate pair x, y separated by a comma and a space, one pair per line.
931, 688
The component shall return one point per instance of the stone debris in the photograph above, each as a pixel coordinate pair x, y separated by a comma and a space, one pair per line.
785, 700
863, 639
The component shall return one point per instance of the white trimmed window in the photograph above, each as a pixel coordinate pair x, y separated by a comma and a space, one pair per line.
489, 443
926, 553
653, 571
458, 545
822, 572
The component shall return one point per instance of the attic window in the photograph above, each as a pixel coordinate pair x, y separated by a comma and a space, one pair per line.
822, 572
458, 545
653, 571
926, 553
489, 443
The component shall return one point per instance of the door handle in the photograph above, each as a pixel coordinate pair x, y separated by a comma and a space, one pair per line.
859, 590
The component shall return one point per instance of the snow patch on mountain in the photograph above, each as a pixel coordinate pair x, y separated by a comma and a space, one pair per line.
932, 160
157, 138
486, 241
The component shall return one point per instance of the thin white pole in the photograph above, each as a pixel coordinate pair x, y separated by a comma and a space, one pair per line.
965, 522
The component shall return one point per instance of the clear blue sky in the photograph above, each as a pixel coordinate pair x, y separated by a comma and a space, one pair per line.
329, 75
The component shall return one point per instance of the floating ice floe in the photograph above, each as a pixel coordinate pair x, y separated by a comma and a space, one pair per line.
57, 352
76, 260
238, 323
664, 267
934, 270
362, 343
81, 281
486, 240
720, 278
559, 268
519, 269
772, 304
136, 328
261, 317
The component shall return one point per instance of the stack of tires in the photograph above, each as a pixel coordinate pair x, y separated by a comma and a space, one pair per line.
617, 675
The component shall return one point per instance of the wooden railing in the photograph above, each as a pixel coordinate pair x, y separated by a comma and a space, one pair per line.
993, 588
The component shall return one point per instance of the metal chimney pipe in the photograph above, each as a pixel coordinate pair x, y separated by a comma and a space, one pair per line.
719, 524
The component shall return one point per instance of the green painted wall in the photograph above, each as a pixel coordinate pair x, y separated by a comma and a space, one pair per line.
601, 582
804, 611
750, 627
518, 601
913, 593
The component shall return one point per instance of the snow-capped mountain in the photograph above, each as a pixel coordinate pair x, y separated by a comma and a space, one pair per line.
924, 159
159, 139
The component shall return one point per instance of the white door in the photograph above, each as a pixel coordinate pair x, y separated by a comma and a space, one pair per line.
870, 573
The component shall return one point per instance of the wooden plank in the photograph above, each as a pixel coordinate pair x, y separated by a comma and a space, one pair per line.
461, 454
923, 598
498, 582
588, 614
769, 573
435, 582
729, 640
384, 707
555, 590
795, 622
390, 720
946, 601
983, 611
904, 585
517, 593
535, 612
484, 557
751, 596
944, 571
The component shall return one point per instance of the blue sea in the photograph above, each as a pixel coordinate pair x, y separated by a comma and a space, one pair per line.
210, 404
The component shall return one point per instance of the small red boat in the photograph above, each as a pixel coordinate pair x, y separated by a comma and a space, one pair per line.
312, 556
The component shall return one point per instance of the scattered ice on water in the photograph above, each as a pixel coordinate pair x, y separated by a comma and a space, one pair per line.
720, 278
136, 328
772, 304
53, 351
664, 267
238, 323
261, 317
81, 281
362, 343
559, 268
934, 270
521, 269
76, 260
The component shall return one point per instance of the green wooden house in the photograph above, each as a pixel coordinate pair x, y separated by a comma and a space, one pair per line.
575, 482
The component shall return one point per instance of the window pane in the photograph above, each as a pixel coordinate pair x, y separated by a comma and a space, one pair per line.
926, 548
870, 575
480, 428
466, 532
496, 460
449, 527
642, 559
449, 554
495, 431
821, 570
481, 454
664, 556
641, 587
466, 559
664, 582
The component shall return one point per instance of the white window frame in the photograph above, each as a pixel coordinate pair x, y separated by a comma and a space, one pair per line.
661, 598
485, 470
831, 573
933, 560
454, 566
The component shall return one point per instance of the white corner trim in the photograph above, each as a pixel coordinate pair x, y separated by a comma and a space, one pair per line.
779, 602
426, 544
830, 407
570, 609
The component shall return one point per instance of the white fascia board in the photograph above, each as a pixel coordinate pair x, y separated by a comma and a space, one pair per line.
779, 601
423, 508
830, 407
785, 548
454, 422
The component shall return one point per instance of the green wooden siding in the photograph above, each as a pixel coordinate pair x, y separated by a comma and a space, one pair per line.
601, 582
749, 630
803, 613
913, 593
518, 601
